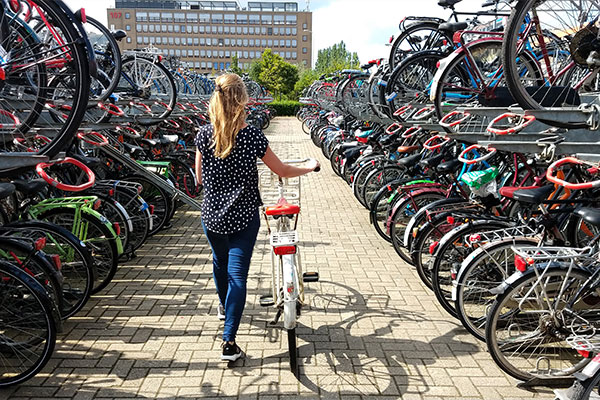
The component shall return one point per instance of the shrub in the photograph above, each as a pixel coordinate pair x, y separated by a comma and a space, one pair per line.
286, 107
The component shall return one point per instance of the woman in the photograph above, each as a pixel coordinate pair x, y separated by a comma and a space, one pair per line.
226, 155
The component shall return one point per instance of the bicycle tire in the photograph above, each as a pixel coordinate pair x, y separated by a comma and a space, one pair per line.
583, 388
523, 371
77, 267
110, 65
473, 318
39, 308
397, 56
103, 247
161, 202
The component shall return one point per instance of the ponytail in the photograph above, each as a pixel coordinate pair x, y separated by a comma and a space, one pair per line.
227, 112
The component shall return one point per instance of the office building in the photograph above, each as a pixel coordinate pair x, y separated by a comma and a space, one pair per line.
206, 34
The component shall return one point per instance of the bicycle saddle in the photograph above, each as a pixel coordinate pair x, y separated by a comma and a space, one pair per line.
590, 215
509, 191
171, 138
449, 167
31, 187
409, 161
432, 162
150, 142
133, 149
6, 189
453, 26
408, 149
448, 3
119, 35
535, 195
283, 208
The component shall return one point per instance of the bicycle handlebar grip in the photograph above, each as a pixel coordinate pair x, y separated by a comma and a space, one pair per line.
85, 136
526, 120
428, 143
568, 185
63, 186
461, 156
111, 109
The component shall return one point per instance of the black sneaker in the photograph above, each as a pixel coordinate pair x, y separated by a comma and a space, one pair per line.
231, 352
221, 312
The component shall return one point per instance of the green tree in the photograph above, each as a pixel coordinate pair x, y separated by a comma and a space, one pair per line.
235, 65
335, 58
274, 73
306, 78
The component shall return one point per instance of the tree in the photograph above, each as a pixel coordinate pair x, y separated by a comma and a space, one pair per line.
274, 73
235, 65
335, 58
306, 78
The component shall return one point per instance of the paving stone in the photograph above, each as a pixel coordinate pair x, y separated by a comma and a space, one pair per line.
370, 329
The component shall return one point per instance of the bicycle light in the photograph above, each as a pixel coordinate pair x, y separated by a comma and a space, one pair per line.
521, 263
433, 246
56, 260
284, 250
40, 243
117, 228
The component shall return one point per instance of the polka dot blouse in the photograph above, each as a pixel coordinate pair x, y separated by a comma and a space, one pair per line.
231, 195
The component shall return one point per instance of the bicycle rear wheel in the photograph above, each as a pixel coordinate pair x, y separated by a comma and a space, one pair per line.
28, 325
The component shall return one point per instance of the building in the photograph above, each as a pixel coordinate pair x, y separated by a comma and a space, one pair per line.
206, 34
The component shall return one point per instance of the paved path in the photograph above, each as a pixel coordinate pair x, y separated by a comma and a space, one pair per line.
372, 329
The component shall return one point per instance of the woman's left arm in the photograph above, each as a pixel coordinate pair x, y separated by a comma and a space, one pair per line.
198, 166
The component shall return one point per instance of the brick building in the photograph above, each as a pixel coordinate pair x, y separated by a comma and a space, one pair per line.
206, 34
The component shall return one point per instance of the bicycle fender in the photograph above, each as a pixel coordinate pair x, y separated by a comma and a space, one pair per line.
107, 224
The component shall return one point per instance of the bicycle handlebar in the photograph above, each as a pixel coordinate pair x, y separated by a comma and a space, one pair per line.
469, 149
63, 186
568, 185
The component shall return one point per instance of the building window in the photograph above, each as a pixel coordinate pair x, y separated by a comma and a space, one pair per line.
189, 41
242, 19
239, 30
184, 53
304, 38
179, 17
251, 42
220, 29
158, 40
254, 19
201, 29
151, 28
196, 41
304, 50
192, 17
275, 31
290, 19
269, 31
146, 40
176, 28
251, 30
266, 19
208, 42
221, 42
166, 17
171, 40
239, 42
214, 29
245, 54
128, 40
245, 43
245, 30
221, 53
144, 27
263, 42
157, 28
154, 17
278, 19
304, 26
227, 53
226, 29
139, 40
127, 15
263, 30
216, 65
141, 16
163, 28
127, 27
294, 43
182, 28
282, 43
288, 31
230, 18
226, 41
202, 53
197, 53
189, 29
216, 18
177, 40
294, 55
195, 28
204, 17
178, 52
203, 65
294, 31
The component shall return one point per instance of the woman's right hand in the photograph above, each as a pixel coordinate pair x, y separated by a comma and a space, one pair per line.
314, 165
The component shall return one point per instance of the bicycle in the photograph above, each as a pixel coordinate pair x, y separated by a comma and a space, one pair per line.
286, 268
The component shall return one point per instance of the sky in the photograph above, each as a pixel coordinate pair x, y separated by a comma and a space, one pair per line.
364, 25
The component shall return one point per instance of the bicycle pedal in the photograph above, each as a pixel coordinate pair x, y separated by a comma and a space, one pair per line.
310, 277
266, 301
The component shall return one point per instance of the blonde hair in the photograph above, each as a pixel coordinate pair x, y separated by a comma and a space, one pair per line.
227, 112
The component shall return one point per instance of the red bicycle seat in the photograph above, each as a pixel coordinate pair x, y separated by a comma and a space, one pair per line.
283, 208
509, 191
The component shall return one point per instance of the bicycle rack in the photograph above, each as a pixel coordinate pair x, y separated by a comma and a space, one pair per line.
14, 161
158, 181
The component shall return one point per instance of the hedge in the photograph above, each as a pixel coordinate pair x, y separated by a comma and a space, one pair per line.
286, 107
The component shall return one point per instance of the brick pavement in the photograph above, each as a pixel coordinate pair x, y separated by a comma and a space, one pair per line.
372, 329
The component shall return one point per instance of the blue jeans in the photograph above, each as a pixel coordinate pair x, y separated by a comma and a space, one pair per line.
231, 262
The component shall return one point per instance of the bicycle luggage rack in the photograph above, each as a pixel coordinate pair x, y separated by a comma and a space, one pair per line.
498, 234
158, 181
